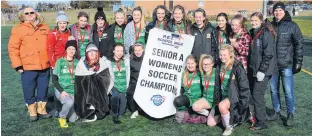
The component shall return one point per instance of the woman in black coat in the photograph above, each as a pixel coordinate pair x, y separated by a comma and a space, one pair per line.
102, 35
235, 91
261, 65
135, 66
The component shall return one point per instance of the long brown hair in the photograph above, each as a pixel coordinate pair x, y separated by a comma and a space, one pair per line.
265, 23
186, 72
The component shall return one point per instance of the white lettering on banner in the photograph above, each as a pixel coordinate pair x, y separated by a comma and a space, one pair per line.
159, 81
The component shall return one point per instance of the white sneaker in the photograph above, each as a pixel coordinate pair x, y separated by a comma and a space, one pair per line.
204, 112
90, 120
134, 115
227, 132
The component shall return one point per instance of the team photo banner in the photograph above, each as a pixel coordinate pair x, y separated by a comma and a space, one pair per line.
159, 81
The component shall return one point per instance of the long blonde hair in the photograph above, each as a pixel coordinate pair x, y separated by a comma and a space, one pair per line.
186, 72
231, 51
138, 8
22, 19
202, 57
122, 12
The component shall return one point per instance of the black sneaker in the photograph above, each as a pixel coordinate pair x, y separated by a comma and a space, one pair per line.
116, 120
260, 127
275, 116
290, 120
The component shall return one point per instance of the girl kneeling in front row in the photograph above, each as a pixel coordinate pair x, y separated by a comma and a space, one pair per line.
63, 79
210, 82
235, 90
120, 66
191, 86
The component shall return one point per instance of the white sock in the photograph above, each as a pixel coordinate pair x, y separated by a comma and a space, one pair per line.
204, 112
226, 119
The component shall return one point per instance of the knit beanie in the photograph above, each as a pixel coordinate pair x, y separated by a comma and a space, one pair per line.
279, 5
100, 14
61, 16
91, 47
71, 43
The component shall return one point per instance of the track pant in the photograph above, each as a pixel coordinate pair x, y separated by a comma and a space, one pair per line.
257, 92
67, 107
32, 80
118, 102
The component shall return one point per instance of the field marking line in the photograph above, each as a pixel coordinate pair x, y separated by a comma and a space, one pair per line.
306, 71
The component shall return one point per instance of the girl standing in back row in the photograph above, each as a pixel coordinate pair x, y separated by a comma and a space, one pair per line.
135, 30
82, 33
240, 39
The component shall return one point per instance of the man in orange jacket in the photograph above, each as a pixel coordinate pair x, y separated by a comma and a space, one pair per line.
28, 54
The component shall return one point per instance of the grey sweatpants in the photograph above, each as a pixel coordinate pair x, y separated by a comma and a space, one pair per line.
67, 107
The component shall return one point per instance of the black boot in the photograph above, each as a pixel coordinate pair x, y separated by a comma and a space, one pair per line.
275, 116
116, 120
290, 120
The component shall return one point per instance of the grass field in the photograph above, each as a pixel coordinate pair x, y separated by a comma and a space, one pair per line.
14, 120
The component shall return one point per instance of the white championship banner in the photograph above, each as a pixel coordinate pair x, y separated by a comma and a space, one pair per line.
160, 75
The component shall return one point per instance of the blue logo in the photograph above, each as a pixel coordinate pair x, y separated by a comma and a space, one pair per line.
158, 99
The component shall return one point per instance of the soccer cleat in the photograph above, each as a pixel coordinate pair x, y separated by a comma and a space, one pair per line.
227, 132
63, 123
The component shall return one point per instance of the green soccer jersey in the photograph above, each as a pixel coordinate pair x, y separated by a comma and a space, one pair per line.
141, 38
118, 35
83, 38
222, 39
120, 82
194, 91
65, 78
225, 79
180, 28
208, 83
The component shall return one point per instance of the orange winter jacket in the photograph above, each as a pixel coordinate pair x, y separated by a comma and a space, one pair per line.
27, 46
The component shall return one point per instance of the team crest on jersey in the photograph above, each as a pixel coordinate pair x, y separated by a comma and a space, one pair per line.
208, 36
158, 99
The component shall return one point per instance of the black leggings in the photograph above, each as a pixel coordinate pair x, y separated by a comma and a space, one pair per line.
181, 101
132, 105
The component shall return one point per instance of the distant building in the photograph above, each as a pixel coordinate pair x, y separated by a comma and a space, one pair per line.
211, 7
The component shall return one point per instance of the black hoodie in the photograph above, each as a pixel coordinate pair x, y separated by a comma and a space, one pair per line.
289, 42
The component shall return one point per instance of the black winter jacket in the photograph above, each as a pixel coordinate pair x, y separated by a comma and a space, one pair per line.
239, 93
205, 41
135, 66
169, 27
289, 43
262, 52
105, 43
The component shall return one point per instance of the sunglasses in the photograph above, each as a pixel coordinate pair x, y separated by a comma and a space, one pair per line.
27, 13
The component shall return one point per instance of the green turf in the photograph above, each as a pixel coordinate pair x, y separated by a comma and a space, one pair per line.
14, 120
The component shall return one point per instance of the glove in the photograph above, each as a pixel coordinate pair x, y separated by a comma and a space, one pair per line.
296, 68
260, 76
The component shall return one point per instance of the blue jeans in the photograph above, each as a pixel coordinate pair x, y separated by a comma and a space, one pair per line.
286, 75
32, 80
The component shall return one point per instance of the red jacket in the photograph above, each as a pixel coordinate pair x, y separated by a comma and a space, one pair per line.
56, 45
